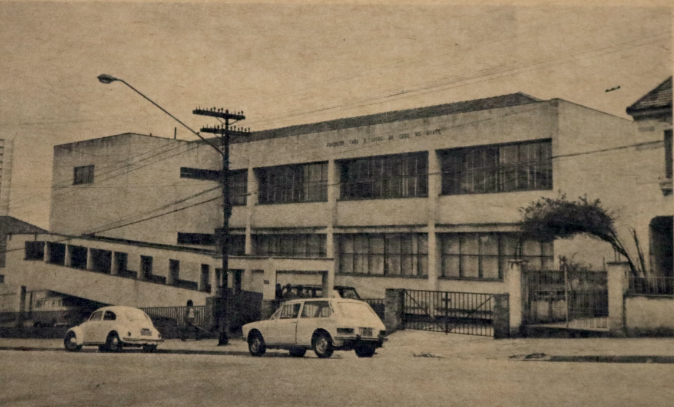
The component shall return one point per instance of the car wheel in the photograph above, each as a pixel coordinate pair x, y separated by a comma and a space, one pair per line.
297, 352
322, 344
113, 344
149, 348
365, 351
70, 342
256, 345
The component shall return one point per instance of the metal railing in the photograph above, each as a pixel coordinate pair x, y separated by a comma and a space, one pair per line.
449, 312
162, 315
651, 286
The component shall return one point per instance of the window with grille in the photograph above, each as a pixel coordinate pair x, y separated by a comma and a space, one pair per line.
497, 168
392, 176
293, 183
385, 254
83, 175
486, 255
300, 245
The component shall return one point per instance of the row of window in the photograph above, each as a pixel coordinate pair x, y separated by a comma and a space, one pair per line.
475, 170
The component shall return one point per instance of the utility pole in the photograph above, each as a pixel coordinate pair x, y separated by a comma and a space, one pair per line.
225, 133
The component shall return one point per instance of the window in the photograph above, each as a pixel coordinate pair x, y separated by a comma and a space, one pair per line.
293, 183
392, 176
384, 254
84, 175
316, 309
109, 316
34, 250
202, 239
290, 245
497, 168
486, 255
146, 267
668, 154
290, 311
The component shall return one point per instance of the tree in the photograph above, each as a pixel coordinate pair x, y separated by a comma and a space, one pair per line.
558, 218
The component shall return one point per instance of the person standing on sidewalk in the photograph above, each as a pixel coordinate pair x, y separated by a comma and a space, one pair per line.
189, 325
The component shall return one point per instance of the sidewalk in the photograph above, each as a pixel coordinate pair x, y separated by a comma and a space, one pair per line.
431, 344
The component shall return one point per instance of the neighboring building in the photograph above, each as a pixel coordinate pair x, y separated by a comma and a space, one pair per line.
653, 210
424, 198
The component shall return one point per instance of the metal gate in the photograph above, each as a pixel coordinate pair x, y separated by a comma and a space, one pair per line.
575, 299
449, 312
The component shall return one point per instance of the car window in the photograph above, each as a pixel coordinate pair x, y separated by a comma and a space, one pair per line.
290, 311
349, 293
109, 316
316, 309
96, 316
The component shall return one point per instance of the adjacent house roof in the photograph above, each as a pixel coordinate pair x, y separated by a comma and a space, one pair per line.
657, 99
513, 99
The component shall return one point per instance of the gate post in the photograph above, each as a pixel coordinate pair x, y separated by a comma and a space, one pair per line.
513, 280
394, 308
616, 274
501, 316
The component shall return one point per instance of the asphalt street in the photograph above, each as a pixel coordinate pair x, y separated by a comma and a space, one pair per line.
401, 374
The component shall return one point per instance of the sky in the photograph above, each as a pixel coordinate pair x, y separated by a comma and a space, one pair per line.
288, 64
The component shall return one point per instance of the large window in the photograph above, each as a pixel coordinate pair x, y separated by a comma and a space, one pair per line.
392, 176
290, 245
486, 255
293, 183
497, 168
83, 175
384, 254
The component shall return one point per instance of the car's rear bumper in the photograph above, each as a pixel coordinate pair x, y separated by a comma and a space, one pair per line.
141, 341
351, 342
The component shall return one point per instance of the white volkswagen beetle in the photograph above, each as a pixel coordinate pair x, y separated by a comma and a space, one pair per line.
321, 324
112, 328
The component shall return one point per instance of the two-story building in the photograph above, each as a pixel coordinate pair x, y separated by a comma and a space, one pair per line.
424, 198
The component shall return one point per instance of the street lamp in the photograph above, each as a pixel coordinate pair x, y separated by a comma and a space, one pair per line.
222, 328
107, 79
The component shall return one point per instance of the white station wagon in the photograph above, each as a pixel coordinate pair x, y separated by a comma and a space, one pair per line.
112, 328
321, 324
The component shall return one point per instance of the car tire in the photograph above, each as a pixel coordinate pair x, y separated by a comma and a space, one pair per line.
322, 345
70, 342
149, 348
297, 352
365, 351
256, 345
113, 344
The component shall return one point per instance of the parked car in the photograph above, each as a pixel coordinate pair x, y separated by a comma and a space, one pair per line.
321, 324
113, 328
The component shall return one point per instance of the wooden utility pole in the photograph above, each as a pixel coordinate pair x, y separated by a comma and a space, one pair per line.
225, 132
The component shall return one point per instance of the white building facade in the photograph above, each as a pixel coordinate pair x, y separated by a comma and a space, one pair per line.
424, 198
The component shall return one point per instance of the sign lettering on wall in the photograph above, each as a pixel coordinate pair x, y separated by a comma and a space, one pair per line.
379, 139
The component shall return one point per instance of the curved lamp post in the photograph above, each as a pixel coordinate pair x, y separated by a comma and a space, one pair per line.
107, 79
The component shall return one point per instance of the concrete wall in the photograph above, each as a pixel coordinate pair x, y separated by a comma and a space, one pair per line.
649, 315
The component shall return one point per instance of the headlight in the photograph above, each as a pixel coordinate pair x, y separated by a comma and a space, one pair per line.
345, 331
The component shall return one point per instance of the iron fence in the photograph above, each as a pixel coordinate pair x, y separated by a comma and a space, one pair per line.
651, 286
449, 312
575, 299
176, 315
